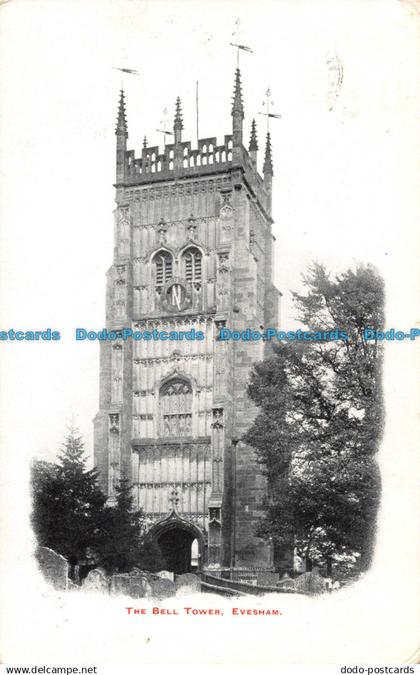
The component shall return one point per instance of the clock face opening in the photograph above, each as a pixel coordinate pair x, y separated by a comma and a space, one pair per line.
176, 296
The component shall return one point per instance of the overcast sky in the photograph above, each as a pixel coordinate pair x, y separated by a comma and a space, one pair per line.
344, 179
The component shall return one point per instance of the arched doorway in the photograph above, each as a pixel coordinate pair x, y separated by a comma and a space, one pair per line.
181, 544
175, 546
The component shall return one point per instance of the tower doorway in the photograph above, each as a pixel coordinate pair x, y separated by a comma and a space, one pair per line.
181, 544
175, 546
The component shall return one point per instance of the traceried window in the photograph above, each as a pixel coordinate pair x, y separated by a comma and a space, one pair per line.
175, 398
163, 268
192, 260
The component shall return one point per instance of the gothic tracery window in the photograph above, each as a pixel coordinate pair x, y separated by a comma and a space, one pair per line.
163, 268
175, 399
192, 260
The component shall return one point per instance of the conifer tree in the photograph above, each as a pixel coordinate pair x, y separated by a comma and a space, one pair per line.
68, 503
123, 543
71, 517
45, 495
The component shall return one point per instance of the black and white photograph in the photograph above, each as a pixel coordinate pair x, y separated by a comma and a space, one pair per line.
209, 341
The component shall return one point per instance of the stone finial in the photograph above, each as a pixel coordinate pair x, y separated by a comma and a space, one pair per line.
268, 162
121, 127
237, 118
144, 142
174, 499
178, 123
253, 142
237, 105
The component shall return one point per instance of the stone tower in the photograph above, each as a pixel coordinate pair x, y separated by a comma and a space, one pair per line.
193, 250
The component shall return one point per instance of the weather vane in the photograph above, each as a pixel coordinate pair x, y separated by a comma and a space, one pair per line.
238, 46
128, 71
268, 103
164, 123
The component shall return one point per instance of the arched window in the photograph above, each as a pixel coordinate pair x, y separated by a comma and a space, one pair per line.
192, 260
175, 398
163, 268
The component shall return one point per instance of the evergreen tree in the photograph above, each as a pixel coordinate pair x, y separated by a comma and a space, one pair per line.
70, 516
123, 543
68, 503
44, 496
320, 423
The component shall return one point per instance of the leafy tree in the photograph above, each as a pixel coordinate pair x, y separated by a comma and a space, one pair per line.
320, 422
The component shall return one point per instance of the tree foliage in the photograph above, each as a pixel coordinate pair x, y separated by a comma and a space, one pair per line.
320, 420
70, 516
67, 502
124, 544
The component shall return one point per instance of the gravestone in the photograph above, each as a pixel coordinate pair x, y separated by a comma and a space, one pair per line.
298, 564
186, 584
164, 574
162, 588
134, 584
96, 580
53, 566
311, 583
286, 582
71, 586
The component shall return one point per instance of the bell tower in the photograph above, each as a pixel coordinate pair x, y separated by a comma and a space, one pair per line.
192, 254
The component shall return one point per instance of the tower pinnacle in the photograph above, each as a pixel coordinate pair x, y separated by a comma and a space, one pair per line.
237, 105
121, 127
268, 162
253, 142
178, 123
121, 140
237, 112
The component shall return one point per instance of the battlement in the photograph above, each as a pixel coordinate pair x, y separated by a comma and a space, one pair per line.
180, 160
153, 165
183, 161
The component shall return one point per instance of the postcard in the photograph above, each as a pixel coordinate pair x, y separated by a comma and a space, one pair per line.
209, 340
